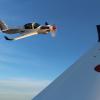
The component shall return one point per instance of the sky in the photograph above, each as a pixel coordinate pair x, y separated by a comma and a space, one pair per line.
29, 65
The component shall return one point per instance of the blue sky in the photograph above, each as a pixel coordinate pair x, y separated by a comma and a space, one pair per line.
42, 57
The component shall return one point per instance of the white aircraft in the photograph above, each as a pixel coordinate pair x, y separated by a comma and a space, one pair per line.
27, 30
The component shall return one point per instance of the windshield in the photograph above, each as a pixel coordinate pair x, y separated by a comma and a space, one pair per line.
36, 25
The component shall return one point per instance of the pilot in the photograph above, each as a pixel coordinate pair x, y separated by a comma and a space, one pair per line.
31, 25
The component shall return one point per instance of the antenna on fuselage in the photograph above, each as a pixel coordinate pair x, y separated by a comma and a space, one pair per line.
46, 23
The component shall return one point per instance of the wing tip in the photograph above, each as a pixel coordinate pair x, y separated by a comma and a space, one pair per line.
98, 30
8, 38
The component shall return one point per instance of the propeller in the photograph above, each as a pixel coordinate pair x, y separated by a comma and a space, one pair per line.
53, 30
53, 34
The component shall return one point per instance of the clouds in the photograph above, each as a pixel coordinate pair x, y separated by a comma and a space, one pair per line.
21, 88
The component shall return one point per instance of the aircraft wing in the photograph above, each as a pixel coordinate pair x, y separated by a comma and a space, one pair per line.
21, 37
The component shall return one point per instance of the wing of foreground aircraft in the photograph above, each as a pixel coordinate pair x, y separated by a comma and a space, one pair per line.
81, 81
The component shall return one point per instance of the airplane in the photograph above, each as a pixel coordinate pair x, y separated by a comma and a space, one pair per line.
27, 30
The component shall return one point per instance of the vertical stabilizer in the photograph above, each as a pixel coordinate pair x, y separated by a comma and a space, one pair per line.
3, 26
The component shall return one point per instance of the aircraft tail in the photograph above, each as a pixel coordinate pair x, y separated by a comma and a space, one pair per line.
3, 26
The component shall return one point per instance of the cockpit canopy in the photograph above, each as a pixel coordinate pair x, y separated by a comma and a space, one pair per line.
31, 25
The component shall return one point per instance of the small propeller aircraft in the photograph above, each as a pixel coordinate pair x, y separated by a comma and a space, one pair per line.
27, 30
